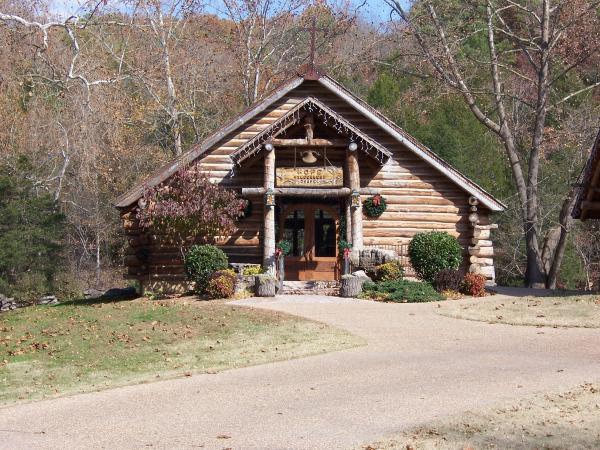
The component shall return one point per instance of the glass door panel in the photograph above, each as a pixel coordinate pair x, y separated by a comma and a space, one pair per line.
294, 231
325, 230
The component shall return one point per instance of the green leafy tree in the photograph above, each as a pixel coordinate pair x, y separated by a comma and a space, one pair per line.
31, 239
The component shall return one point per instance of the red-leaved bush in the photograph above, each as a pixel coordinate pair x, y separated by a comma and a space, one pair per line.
189, 205
221, 284
474, 284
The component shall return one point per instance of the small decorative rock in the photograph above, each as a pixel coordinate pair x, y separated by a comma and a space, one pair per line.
8, 303
48, 300
92, 293
371, 257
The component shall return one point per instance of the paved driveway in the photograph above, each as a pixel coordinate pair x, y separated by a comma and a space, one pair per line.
417, 366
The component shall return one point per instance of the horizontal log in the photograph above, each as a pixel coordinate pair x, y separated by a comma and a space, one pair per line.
491, 226
406, 225
393, 232
486, 261
310, 143
488, 271
419, 216
316, 192
481, 251
590, 205
481, 234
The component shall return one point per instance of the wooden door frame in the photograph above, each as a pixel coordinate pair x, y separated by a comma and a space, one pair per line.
309, 232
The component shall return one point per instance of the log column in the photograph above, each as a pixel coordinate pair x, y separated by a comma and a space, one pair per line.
354, 185
269, 212
481, 250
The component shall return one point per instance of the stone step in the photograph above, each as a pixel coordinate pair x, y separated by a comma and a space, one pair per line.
310, 288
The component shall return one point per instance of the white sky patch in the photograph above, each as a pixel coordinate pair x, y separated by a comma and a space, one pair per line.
66, 8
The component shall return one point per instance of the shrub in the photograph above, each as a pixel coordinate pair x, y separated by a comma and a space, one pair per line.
434, 251
253, 269
200, 263
221, 284
474, 284
402, 291
448, 280
389, 271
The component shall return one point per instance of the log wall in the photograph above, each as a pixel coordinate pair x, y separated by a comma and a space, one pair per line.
419, 198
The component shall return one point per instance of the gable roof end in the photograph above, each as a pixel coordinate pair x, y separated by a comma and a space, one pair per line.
392, 129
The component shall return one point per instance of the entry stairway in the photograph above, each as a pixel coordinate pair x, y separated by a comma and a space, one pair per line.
310, 288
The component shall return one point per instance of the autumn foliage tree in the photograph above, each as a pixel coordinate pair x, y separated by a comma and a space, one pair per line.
190, 208
520, 67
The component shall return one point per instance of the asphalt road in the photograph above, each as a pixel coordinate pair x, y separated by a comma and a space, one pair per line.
417, 366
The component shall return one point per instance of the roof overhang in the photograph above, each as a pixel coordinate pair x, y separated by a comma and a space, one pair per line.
294, 116
587, 205
134, 194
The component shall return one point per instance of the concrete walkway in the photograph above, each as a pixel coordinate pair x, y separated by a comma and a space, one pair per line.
417, 366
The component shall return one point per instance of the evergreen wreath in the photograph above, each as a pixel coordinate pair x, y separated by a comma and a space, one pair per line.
374, 206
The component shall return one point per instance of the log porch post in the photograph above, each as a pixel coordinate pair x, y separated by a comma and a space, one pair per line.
481, 250
269, 212
354, 185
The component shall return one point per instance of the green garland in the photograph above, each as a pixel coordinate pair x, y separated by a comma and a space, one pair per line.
248, 209
374, 206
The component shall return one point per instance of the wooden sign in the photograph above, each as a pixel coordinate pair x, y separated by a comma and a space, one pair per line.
309, 177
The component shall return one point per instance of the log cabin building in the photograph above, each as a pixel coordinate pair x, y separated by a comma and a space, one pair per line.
307, 156
587, 204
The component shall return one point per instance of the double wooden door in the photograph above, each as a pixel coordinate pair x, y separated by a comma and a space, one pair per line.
312, 229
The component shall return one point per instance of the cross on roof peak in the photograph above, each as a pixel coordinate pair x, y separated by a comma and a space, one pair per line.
313, 30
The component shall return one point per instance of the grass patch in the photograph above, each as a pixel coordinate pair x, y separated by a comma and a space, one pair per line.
569, 420
575, 311
85, 346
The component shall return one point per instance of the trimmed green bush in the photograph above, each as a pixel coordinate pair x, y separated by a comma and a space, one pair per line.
201, 261
401, 291
221, 284
389, 271
434, 251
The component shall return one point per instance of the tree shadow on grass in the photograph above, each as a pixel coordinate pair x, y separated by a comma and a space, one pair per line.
527, 292
110, 296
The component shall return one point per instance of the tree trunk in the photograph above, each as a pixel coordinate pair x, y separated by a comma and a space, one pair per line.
565, 221
351, 286
265, 286
534, 272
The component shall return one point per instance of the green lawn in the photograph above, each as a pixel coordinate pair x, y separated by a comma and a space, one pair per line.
567, 311
82, 346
